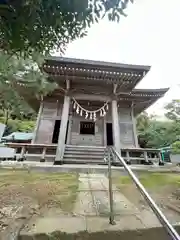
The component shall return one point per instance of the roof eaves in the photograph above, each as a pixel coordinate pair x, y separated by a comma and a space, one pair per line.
98, 63
157, 90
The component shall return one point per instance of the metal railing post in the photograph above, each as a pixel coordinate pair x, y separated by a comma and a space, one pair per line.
111, 215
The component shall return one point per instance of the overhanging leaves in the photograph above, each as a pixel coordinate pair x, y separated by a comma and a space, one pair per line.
21, 78
43, 25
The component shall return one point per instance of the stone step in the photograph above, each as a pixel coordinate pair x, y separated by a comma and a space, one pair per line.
89, 159
84, 152
87, 148
82, 161
85, 156
67, 227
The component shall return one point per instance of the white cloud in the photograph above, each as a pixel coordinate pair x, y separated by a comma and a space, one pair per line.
148, 36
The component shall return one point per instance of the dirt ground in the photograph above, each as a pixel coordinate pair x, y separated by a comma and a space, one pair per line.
164, 188
24, 195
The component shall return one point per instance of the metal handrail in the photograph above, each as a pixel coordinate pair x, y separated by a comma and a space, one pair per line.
107, 157
163, 220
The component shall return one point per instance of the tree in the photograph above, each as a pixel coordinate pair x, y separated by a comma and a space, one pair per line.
160, 134
16, 72
176, 147
143, 121
18, 126
40, 25
173, 110
11, 103
156, 134
25, 71
142, 124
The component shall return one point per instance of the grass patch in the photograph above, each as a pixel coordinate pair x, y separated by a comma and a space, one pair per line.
44, 189
162, 187
150, 180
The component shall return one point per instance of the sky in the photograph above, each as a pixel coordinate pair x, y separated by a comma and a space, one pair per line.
149, 35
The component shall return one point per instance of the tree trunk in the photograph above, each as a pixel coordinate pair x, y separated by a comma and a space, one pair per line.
6, 117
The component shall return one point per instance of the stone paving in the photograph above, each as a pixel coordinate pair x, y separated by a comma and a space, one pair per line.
93, 188
93, 200
91, 211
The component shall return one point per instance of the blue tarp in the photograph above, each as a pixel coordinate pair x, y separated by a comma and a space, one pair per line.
19, 136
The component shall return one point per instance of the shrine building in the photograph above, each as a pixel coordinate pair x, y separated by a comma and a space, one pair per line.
94, 106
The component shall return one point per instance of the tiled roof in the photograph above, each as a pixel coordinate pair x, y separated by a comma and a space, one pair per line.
19, 136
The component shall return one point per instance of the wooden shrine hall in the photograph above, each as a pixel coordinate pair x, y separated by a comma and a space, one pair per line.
94, 106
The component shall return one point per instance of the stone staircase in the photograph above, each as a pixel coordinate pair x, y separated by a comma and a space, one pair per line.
84, 154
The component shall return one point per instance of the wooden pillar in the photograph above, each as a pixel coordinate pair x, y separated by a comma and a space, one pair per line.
63, 128
134, 127
43, 157
22, 154
116, 126
69, 130
127, 156
161, 161
145, 156
105, 132
37, 123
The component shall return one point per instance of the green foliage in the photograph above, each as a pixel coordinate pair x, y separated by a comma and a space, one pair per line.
21, 125
143, 124
17, 73
173, 110
156, 134
40, 25
17, 125
142, 121
12, 105
176, 147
